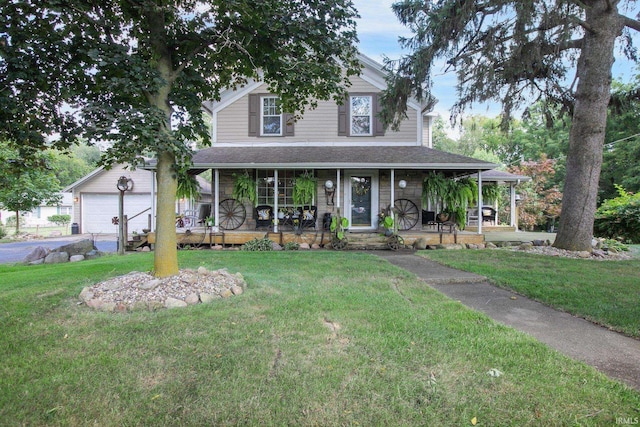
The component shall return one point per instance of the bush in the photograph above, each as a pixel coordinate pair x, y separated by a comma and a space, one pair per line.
291, 246
3, 233
60, 219
619, 218
11, 221
263, 244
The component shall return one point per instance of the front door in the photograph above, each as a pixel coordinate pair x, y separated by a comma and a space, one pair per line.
362, 200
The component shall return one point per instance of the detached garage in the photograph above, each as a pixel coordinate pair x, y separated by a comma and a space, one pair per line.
95, 200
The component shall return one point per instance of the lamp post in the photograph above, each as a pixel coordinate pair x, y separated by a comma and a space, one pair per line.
124, 184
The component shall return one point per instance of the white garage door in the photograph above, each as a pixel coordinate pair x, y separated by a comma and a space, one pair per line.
99, 209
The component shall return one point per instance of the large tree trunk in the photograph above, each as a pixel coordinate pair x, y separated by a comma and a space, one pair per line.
586, 139
166, 254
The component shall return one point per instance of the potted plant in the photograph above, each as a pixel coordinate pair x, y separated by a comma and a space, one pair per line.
209, 221
304, 189
387, 223
245, 188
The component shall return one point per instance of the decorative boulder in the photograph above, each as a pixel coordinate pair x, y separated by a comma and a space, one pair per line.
56, 258
37, 254
80, 247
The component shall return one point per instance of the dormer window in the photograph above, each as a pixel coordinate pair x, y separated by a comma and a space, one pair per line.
270, 117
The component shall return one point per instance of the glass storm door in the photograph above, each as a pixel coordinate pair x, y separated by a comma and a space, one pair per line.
363, 195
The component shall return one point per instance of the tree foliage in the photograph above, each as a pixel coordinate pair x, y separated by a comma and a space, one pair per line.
26, 189
513, 51
619, 217
138, 71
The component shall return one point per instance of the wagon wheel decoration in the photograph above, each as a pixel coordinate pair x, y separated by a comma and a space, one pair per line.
395, 242
232, 214
407, 214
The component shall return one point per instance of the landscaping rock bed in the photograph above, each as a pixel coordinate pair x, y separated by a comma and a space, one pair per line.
142, 291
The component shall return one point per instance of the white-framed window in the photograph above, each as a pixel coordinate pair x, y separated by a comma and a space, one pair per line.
361, 108
270, 116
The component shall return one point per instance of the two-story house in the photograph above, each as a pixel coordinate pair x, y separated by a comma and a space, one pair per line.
360, 167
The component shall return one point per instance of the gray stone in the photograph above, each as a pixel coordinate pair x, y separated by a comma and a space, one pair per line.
86, 294
584, 254
93, 254
207, 298
37, 254
76, 258
151, 284
226, 293
171, 302
192, 299
236, 290
36, 262
538, 243
420, 243
145, 249
56, 258
525, 246
275, 246
304, 246
80, 247
202, 270
490, 245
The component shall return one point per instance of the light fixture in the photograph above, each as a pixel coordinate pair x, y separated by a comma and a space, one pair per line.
124, 184
402, 183
76, 199
329, 191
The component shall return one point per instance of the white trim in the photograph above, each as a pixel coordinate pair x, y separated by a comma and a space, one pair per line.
351, 115
360, 142
262, 115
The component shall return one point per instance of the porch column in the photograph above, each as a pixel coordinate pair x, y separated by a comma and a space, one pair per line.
216, 198
393, 187
338, 188
275, 200
479, 202
512, 204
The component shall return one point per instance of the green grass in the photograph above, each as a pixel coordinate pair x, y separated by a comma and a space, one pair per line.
604, 292
318, 338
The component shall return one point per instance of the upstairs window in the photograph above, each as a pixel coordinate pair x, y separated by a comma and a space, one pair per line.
270, 117
266, 118
361, 115
357, 116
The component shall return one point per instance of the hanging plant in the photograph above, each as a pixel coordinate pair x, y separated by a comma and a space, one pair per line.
434, 187
490, 193
245, 188
188, 186
304, 189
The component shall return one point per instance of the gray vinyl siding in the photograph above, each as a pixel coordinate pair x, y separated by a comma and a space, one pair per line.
319, 125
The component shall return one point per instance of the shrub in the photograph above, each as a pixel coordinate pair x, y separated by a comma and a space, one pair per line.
291, 246
263, 244
3, 233
619, 218
11, 221
60, 219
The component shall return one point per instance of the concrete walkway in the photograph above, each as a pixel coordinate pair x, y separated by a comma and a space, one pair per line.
614, 354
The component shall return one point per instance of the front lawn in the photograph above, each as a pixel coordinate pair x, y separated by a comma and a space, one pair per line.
318, 338
605, 292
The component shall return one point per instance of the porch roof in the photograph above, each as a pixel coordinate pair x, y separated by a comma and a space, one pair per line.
336, 157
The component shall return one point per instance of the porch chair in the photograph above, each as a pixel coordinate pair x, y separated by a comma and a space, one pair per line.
472, 216
488, 215
309, 216
429, 219
264, 216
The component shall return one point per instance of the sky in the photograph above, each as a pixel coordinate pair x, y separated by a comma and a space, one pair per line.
379, 29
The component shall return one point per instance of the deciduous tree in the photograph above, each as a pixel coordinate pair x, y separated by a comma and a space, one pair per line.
148, 65
511, 51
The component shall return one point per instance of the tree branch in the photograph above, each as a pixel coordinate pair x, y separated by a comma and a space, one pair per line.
631, 23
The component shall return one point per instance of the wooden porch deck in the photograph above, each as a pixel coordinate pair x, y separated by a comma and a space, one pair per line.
357, 240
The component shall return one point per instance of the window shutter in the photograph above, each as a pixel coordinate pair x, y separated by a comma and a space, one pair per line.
254, 115
378, 128
343, 118
288, 124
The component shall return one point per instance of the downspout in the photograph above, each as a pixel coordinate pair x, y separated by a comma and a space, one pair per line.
512, 204
393, 181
